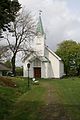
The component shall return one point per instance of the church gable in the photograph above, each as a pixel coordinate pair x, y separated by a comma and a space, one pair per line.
50, 51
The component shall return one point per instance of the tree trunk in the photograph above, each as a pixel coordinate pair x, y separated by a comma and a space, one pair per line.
13, 64
66, 70
78, 70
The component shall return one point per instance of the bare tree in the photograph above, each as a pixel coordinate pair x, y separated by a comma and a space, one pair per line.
22, 31
3, 50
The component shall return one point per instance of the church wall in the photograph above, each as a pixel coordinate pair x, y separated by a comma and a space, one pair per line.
44, 70
50, 71
43, 67
61, 68
25, 70
53, 68
39, 45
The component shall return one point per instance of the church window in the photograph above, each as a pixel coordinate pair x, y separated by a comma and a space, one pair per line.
37, 63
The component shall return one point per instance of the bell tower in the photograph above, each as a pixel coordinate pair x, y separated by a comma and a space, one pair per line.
39, 41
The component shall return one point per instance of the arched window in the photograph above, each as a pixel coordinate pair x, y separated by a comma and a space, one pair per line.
37, 63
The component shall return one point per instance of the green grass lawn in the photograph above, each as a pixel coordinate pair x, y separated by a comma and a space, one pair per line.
69, 91
52, 99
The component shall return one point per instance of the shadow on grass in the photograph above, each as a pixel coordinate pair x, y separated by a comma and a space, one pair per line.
39, 111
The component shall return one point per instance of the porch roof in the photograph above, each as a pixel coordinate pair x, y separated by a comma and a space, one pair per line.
41, 58
3, 67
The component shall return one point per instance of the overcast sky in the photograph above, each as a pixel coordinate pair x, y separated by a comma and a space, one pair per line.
61, 19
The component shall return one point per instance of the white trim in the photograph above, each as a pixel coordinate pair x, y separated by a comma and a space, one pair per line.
53, 53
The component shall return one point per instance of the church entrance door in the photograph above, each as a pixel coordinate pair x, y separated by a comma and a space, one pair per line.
37, 72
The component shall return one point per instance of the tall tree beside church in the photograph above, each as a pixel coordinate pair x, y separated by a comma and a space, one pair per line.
77, 59
8, 12
22, 31
3, 50
69, 51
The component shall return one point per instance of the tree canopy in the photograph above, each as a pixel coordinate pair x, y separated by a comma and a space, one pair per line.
22, 32
8, 11
69, 51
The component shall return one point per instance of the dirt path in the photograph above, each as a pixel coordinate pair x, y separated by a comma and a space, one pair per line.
53, 110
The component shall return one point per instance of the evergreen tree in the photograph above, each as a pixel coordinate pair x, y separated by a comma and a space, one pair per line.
8, 12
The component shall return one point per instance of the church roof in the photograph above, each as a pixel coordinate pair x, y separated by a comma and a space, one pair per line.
40, 29
41, 58
3, 67
53, 53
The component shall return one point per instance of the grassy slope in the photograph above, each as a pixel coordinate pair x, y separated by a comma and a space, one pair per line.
22, 104
28, 104
9, 95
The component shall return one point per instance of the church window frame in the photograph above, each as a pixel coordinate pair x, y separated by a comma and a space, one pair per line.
37, 63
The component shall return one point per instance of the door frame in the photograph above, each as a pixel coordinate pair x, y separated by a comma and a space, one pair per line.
37, 72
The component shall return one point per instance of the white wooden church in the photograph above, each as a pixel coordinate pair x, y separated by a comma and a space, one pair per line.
44, 63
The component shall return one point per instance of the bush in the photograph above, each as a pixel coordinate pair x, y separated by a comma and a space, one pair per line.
19, 71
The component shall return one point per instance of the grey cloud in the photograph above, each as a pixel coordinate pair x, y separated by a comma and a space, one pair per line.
58, 20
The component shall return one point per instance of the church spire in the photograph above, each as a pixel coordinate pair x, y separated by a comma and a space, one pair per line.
40, 29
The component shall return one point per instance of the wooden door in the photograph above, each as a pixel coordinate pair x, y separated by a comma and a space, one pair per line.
37, 72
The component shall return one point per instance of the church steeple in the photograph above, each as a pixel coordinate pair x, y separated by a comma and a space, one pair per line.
39, 41
40, 30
